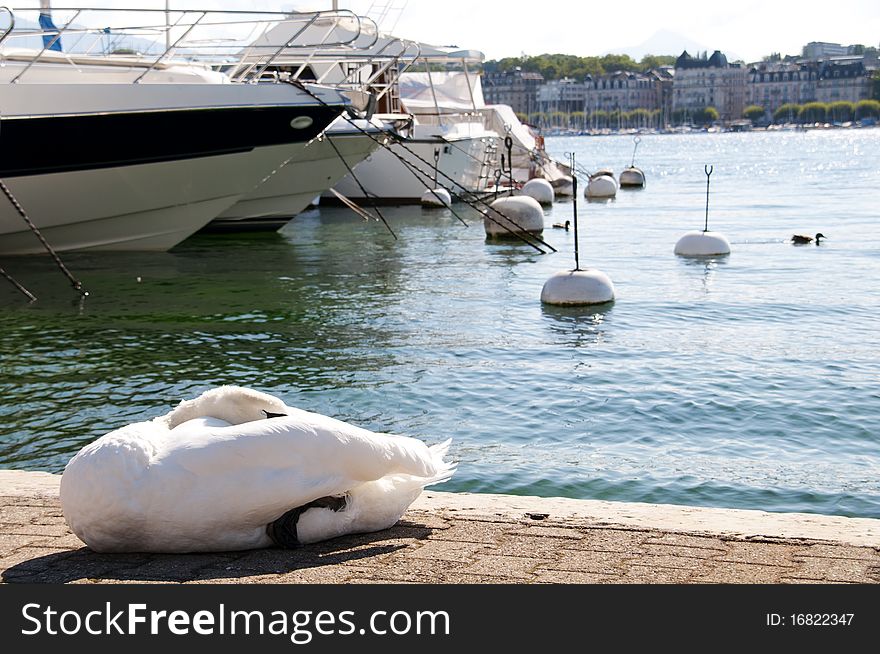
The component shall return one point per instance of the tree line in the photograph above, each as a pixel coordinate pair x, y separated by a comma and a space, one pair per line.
556, 66
617, 119
810, 112
816, 112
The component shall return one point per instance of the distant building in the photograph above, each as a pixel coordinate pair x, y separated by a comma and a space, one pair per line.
773, 84
621, 91
709, 82
843, 79
618, 91
516, 88
821, 50
564, 95
665, 76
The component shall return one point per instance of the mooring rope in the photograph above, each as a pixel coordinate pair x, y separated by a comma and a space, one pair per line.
77, 285
475, 200
414, 167
375, 206
471, 202
30, 296
412, 170
540, 158
407, 168
581, 170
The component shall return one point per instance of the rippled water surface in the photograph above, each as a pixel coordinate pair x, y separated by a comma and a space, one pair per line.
749, 381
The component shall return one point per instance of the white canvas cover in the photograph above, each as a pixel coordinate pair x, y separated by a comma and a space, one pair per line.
451, 89
500, 117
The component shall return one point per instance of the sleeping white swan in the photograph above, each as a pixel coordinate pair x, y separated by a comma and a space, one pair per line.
237, 469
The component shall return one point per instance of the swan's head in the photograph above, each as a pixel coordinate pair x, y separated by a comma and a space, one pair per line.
233, 404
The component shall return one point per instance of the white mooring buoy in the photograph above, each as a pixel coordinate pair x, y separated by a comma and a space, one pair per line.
633, 177
702, 244
517, 214
601, 186
578, 287
705, 243
539, 189
562, 187
436, 198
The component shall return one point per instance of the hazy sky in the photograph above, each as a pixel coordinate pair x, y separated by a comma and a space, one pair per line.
747, 28
750, 28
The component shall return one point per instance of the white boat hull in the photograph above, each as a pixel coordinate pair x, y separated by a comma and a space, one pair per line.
142, 207
291, 188
131, 167
387, 179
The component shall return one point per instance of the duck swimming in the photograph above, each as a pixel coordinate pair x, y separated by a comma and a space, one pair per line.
803, 239
564, 225
237, 469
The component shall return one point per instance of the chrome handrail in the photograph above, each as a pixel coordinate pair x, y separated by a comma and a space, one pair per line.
190, 20
315, 51
11, 23
46, 46
344, 50
171, 47
290, 42
247, 71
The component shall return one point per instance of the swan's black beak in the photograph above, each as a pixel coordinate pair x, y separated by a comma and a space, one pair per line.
269, 414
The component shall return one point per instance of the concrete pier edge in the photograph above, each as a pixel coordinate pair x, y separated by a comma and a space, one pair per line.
478, 538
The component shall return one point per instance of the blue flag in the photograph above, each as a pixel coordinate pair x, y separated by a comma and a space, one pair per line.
50, 40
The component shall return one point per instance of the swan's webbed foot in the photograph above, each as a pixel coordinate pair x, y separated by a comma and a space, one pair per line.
282, 532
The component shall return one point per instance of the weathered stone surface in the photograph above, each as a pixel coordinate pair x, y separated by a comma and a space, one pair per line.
465, 542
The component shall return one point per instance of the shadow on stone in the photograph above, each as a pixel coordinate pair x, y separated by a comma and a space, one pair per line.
85, 565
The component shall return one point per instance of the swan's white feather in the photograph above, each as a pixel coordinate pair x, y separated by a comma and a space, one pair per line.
212, 473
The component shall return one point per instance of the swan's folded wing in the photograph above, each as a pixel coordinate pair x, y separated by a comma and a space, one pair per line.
305, 442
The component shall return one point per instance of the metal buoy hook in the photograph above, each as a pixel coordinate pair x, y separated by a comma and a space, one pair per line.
508, 144
709, 170
574, 204
636, 140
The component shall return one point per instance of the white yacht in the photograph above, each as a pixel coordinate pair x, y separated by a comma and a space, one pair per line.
293, 187
462, 153
446, 144
332, 51
457, 95
137, 153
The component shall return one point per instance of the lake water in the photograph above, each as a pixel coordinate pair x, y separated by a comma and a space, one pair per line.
749, 381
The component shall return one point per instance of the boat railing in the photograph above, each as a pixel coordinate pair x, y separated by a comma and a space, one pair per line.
375, 72
253, 62
433, 117
385, 82
369, 67
6, 31
208, 37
